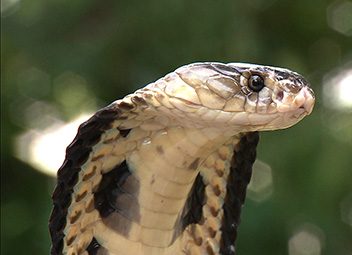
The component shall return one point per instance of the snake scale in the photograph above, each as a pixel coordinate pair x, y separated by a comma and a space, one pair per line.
165, 169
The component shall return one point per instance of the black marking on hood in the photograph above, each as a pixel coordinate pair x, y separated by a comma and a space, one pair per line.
124, 132
77, 154
93, 247
194, 165
110, 188
238, 179
116, 199
192, 211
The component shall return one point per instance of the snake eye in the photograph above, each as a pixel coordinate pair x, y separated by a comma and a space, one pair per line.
256, 83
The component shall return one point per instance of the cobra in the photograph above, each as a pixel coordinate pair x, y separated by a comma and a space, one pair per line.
165, 169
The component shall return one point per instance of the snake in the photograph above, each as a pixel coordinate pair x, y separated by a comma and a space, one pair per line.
165, 169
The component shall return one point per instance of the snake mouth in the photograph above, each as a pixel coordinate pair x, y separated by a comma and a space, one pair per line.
302, 102
305, 100
292, 108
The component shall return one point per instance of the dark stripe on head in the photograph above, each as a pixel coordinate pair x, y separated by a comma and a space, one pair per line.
238, 179
225, 69
77, 154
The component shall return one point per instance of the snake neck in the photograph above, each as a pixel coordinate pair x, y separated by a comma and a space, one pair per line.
183, 161
157, 202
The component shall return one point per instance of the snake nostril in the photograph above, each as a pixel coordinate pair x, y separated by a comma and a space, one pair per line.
280, 95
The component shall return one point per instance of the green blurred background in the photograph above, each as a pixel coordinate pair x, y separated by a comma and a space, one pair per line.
60, 59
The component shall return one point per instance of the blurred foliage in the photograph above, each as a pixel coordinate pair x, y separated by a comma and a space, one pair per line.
54, 50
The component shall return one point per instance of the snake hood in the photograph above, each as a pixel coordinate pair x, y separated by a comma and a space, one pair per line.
164, 170
247, 96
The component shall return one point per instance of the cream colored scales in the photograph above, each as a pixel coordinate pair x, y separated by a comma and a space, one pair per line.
164, 170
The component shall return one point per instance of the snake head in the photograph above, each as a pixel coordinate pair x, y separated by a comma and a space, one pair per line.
250, 97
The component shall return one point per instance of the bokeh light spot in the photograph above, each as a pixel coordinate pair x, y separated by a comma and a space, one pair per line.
337, 88
307, 240
45, 149
261, 186
7, 6
340, 17
337, 98
39, 114
71, 92
34, 83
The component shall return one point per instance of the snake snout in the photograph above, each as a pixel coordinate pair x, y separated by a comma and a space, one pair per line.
305, 100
